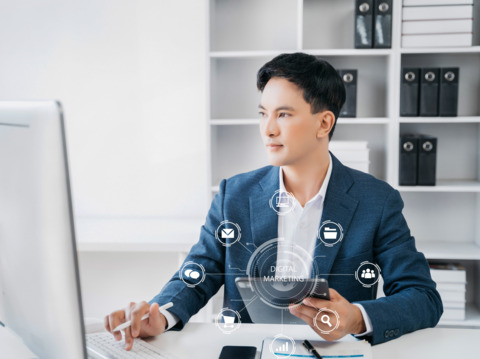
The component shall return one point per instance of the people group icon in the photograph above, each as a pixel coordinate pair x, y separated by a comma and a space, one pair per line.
367, 273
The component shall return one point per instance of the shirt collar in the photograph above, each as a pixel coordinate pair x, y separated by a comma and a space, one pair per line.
323, 190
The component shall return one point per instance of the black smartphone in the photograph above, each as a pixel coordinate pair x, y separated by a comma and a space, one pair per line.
234, 352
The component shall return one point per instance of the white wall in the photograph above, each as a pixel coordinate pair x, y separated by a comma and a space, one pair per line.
131, 75
132, 79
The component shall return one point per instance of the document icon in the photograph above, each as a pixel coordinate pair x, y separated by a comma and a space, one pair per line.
228, 233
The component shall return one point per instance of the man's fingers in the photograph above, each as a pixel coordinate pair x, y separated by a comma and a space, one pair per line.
309, 314
128, 338
139, 310
303, 314
304, 311
155, 317
114, 320
334, 295
316, 302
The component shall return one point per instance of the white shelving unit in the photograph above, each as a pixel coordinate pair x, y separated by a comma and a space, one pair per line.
445, 219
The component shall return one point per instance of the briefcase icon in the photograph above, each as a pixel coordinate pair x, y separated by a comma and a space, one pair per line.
330, 233
228, 233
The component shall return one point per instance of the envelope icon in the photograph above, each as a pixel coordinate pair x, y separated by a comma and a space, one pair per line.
228, 233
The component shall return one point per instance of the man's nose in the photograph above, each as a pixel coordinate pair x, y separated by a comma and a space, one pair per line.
271, 127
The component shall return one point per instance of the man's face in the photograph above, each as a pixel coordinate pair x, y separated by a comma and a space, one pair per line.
287, 126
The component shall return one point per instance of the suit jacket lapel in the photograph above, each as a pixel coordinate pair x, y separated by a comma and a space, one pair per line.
338, 207
263, 219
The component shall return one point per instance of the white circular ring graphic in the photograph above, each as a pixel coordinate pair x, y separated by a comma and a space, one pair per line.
237, 238
262, 253
338, 238
231, 325
321, 313
190, 273
358, 277
275, 201
287, 350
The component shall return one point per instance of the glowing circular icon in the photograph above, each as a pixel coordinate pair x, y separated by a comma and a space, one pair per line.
228, 320
282, 202
279, 280
330, 233
367, 274
282, 346
192, 274
228, 233
329, 320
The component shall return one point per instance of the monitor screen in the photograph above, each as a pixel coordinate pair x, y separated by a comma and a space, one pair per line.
40, 291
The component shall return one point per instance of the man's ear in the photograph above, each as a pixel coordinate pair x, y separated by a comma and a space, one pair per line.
326, 120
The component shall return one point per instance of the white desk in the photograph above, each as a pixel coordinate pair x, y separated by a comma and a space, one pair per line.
206, 341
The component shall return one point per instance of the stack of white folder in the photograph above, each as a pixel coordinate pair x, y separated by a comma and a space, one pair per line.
437, 23
354, 154
451, 282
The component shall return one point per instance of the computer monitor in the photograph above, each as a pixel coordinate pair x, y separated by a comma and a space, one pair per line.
40, 291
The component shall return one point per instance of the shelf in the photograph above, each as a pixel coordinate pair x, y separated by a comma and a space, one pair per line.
98, 234
316, 52
445, 186
235, 121
441, 50
472, 318
247, 54
449, 250
364, 121
341, 121
434, 120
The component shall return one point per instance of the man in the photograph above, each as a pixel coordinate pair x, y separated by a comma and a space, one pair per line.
300, 102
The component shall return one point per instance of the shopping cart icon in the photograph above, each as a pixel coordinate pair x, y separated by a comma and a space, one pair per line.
229, 321
330, 233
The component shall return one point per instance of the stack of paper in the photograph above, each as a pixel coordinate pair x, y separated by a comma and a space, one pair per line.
354, 154
451, 282
437, 23
274, 348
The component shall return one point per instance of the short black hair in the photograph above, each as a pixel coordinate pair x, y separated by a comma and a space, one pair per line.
322, 86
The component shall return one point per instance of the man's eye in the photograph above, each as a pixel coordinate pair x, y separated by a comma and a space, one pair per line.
283, 114
262, 114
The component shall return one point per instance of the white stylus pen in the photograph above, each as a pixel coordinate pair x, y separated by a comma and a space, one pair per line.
128, 323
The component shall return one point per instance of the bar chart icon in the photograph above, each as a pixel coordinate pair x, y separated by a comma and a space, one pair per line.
282, 348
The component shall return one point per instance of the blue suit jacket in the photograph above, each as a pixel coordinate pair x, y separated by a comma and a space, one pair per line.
370, 212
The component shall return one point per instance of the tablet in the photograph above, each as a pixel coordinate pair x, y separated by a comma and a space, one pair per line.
267, 300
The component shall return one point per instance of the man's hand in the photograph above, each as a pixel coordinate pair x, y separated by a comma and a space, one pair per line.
350, 316
154, 325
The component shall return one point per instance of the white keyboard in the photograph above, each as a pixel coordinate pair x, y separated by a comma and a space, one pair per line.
104, 346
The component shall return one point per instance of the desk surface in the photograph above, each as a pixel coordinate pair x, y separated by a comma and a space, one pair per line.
206, 341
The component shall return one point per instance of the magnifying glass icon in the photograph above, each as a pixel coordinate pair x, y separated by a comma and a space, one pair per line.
325, 319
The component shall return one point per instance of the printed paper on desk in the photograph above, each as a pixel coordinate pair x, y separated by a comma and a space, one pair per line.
360, 349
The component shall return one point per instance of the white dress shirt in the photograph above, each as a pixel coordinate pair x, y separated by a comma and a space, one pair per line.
299, 227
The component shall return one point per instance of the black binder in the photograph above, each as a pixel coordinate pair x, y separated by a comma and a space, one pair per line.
448, 102
382, 24
363, 24
427, 160
407, 172
429, 81
349, 78
409, 91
